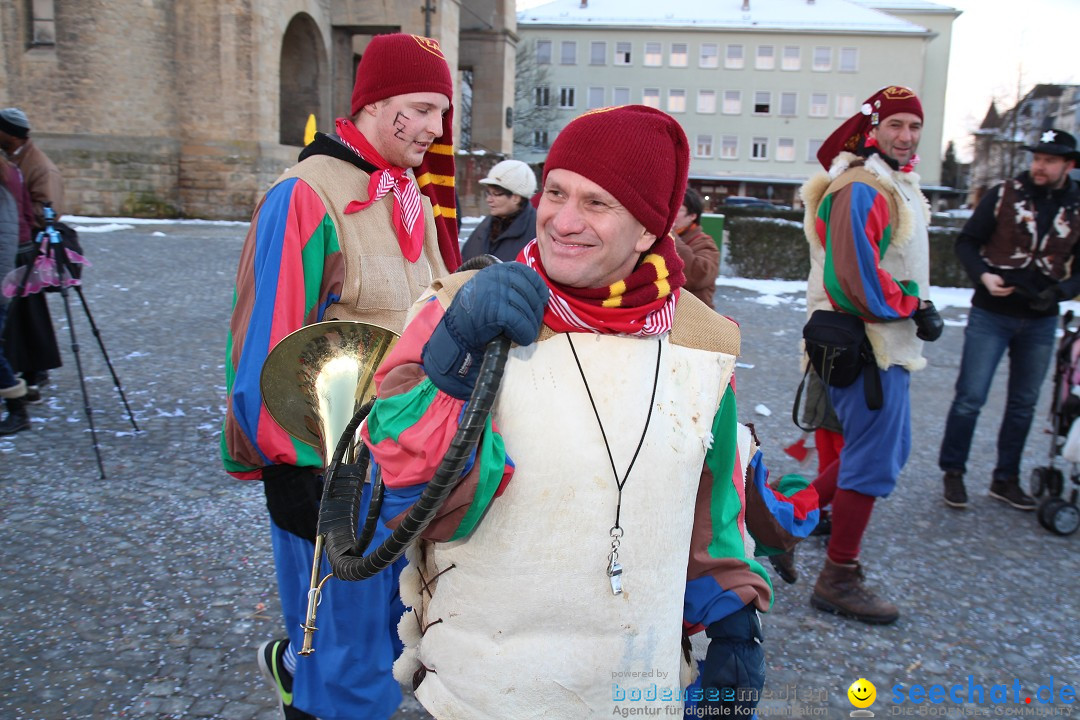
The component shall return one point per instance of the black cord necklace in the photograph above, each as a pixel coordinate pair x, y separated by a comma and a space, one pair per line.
614, 569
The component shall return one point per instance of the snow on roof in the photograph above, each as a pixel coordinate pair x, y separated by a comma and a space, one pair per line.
820, 15
908, 5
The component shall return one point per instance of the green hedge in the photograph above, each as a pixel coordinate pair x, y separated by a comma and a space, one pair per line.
772, 245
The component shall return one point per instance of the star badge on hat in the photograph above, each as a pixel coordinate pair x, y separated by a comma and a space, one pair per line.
1048, 137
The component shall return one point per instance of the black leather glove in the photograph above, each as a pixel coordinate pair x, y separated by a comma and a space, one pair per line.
508, 299
733, 674
1047, 299
928, 323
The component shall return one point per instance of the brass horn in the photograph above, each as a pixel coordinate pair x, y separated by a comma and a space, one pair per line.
313, 383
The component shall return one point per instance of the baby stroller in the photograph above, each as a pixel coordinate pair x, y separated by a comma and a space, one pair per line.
1056, 514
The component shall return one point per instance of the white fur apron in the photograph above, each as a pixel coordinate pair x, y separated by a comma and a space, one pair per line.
525, 625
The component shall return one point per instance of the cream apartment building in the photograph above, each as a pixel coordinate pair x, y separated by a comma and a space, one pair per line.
757, 84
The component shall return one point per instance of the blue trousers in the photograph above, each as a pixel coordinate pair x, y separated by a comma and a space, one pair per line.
876, 442
349, 676
1030, 342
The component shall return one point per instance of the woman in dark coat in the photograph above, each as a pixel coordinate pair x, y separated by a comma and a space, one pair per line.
511, 222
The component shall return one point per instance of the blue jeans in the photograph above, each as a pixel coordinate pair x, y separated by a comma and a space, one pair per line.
7, 376
1030, 342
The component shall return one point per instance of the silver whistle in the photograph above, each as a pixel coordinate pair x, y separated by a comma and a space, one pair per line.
615, 575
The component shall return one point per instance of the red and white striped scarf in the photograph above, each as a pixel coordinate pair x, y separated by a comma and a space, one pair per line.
408, 214
642, 304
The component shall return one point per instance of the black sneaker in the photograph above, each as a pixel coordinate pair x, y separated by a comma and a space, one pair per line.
824, 524
784, 565
1008, 491
955, 494
270, 656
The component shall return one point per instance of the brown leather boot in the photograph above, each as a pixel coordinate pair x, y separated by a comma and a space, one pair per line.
840, 590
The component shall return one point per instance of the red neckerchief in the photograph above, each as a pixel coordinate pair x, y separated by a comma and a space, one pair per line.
408, 211
641, 304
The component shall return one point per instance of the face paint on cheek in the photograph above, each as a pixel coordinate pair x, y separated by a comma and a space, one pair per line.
400, 127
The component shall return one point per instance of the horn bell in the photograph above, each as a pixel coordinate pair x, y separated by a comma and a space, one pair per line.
316, 378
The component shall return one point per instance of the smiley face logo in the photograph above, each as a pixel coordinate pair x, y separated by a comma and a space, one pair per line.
862, 693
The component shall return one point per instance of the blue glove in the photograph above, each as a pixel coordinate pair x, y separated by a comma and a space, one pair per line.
503, 299
733, 674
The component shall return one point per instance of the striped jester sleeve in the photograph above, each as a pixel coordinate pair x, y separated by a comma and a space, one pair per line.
855, 226
290, 270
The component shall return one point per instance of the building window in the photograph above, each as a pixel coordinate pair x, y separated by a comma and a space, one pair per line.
654, 54
706, 101
568, 53
651, 97
785, 150
792, 58
733, 58
812, 147
729, 147
540, 139
703, 149
845, 105
543, 52
762, 102
566, 98
759, 148
621, 96
710, 55
622, 53
676, 101
822, 59
788, 103
679, 54
849, 59
819, 105
598, 53
543, 96
42, 23
766, 57
596, 98
732, 102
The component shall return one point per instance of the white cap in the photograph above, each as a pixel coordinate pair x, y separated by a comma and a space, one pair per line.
512, 175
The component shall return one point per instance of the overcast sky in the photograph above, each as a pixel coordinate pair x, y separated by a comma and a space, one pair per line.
997, 44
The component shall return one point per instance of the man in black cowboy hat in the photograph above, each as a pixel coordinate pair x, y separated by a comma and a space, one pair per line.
1020, 248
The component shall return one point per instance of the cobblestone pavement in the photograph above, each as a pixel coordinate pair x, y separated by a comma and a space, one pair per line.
146, 594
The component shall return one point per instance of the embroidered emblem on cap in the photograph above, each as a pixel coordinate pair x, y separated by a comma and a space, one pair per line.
1048, 137
429, 44
896, 92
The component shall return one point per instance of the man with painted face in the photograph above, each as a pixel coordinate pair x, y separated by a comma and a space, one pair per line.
346, 234
1020, 248
866, 223
606, 515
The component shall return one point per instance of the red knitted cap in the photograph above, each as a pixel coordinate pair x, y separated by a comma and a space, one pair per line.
400, 64
638, 154
885, 102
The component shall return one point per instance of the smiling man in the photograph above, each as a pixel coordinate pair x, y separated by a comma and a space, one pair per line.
606, 516
346, 234
866, 223
1020, 248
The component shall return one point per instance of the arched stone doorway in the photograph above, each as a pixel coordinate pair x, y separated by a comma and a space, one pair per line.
304, 79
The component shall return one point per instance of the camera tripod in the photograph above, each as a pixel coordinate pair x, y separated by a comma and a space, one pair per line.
50, 246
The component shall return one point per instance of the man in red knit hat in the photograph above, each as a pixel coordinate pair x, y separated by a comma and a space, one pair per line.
602, 522
346, 234
866, 222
